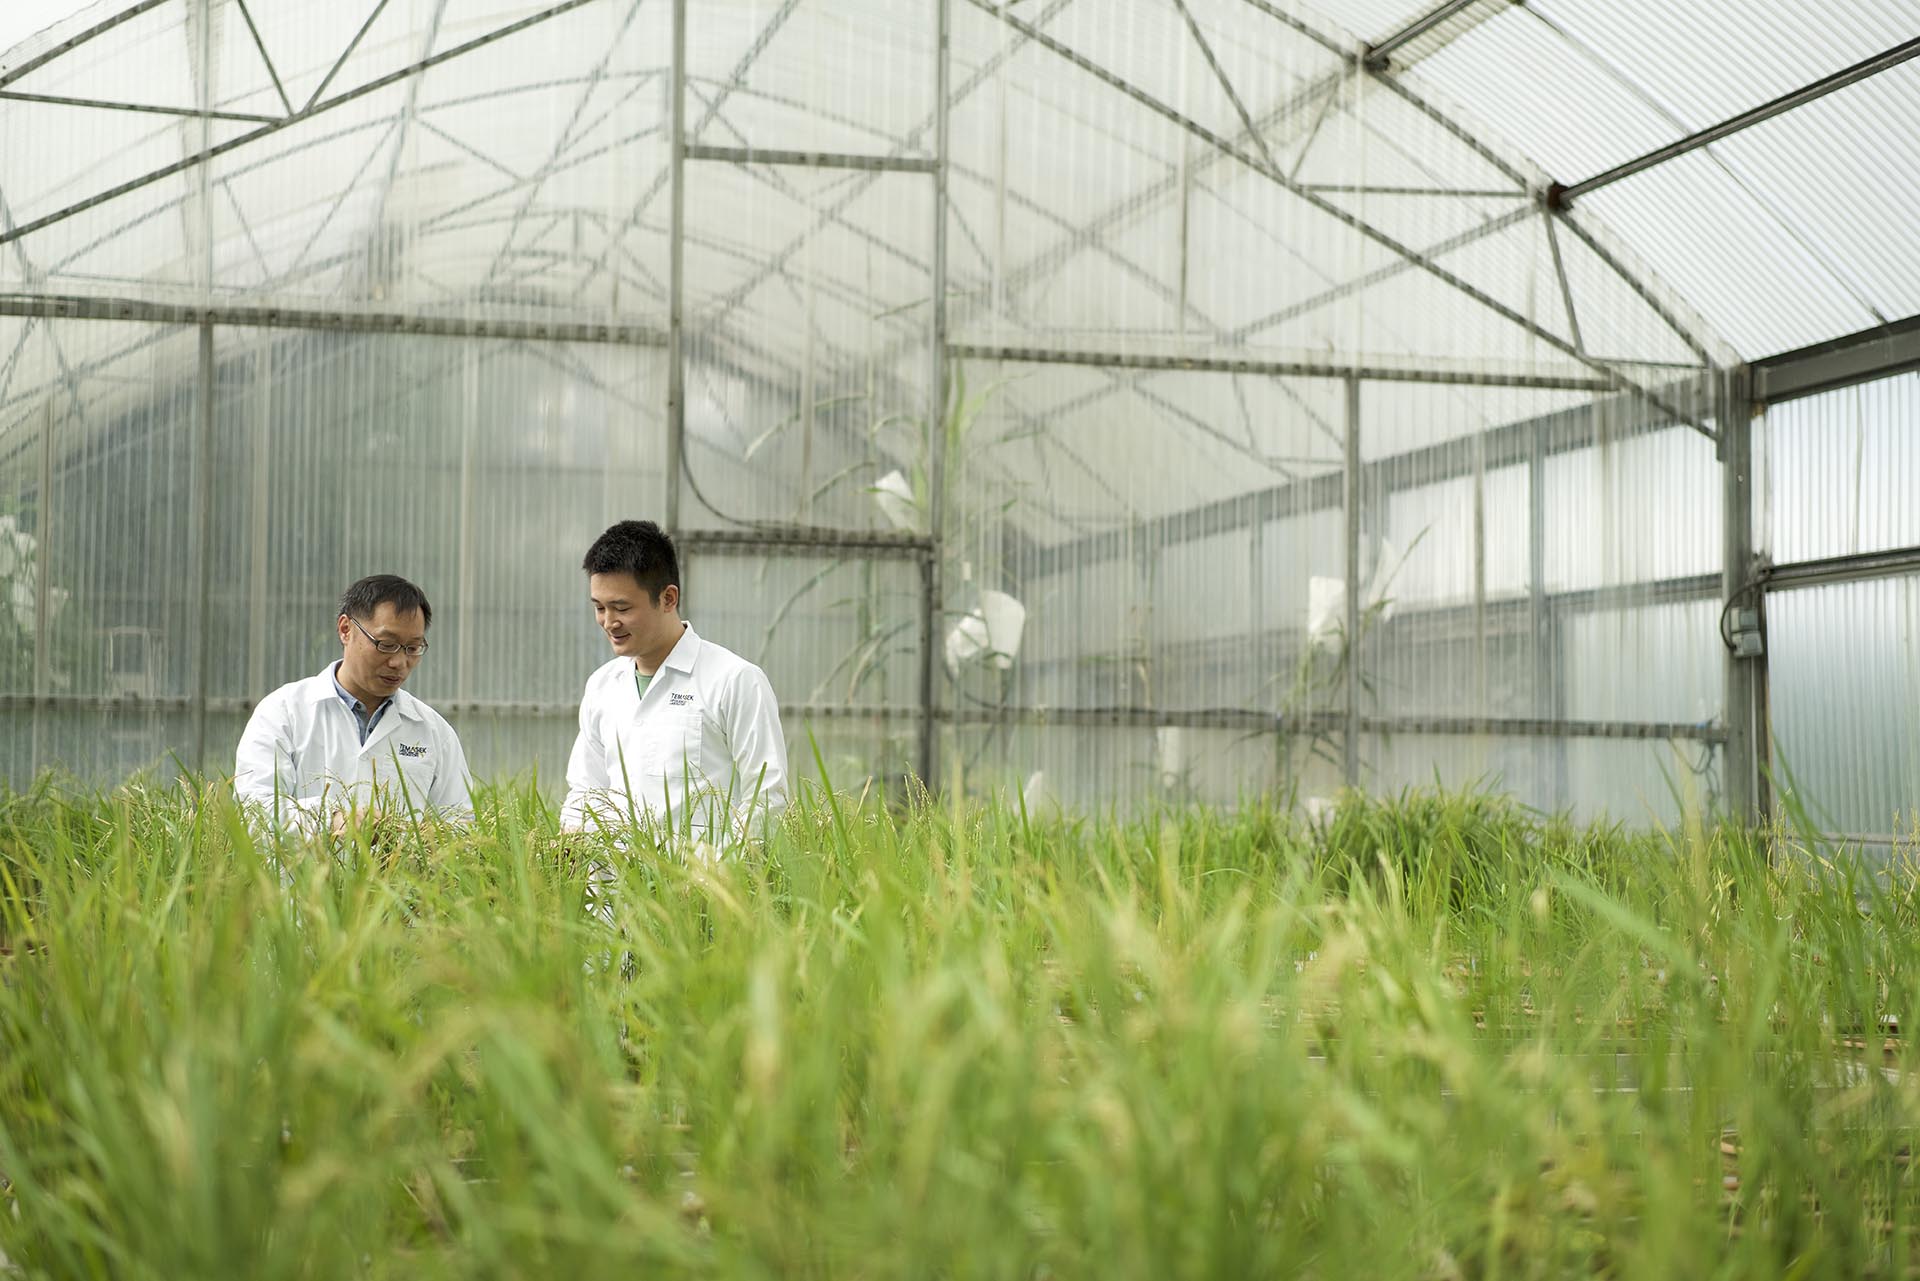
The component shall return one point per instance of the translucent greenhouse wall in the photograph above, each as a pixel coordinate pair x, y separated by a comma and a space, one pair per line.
1308, 447
1844, 658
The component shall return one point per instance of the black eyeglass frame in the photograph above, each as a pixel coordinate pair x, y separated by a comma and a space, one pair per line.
390, 647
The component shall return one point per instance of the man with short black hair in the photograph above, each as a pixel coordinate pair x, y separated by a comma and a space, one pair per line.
676, 732
349, 739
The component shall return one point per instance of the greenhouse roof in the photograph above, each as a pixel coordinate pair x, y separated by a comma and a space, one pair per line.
525, 141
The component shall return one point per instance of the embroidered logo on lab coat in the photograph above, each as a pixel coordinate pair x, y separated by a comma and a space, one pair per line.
681, 700
419, 750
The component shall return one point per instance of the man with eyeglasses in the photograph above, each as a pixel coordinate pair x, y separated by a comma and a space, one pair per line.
349, 740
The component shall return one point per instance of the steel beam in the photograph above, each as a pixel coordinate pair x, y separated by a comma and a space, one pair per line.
1351, 492
1746, 749
1277, 368
1880, 352
1224, 718
52, 100
932, 585
81, 307
202, 509
1895, 562
1562, 196
1540, 621
810, 159
1455, 193
1380, 52
1566, 289
43, 561
801, 541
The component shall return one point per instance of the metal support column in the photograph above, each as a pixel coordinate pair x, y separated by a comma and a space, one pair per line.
1746, 663
42, 583
259, 523
1540, 613
930, 585
202, 28
676, 268
1351, 734
202, 509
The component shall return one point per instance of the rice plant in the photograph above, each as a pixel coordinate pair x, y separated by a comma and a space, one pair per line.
1438, 1036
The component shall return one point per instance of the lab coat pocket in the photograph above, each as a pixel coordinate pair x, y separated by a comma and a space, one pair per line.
665, 745
406, 776
690, 741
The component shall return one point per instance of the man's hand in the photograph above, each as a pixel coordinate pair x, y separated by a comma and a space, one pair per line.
373, 822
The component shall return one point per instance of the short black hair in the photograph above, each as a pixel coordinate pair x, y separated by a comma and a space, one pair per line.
640, 548
375, 590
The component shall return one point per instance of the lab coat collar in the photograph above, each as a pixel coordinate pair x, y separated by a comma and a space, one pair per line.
685, 650
320, 689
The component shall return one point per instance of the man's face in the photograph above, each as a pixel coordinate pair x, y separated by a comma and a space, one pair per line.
364, 670
634, 623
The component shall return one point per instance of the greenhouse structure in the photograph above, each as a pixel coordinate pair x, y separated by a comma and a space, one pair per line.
1105, 401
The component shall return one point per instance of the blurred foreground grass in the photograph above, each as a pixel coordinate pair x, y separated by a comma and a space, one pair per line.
1434, 1037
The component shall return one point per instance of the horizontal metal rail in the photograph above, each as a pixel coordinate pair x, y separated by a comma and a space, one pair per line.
1560, 197
1894, 562
796, 539
1242, 719
809, 159
56, 100
1880, 352
83, 307
1278, 368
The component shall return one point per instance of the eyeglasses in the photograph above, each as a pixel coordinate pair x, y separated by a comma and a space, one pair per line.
387, 646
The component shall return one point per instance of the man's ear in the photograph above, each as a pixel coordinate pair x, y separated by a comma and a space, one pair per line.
670, 596
343, 625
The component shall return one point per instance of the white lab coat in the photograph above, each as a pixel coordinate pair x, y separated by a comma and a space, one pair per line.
301, 758
702, 751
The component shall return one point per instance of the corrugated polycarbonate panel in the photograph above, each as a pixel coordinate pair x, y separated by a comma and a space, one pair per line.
99, 437
1802, 197
1635, 510
1653, 662
1839, 471
1704, 232
1844, 673
1101, 769
1836, 200
807, 333
754, 80
830, 632
1758, 51
479, 469
1588, 778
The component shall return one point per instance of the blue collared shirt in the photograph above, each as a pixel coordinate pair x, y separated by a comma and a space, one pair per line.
359, 709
